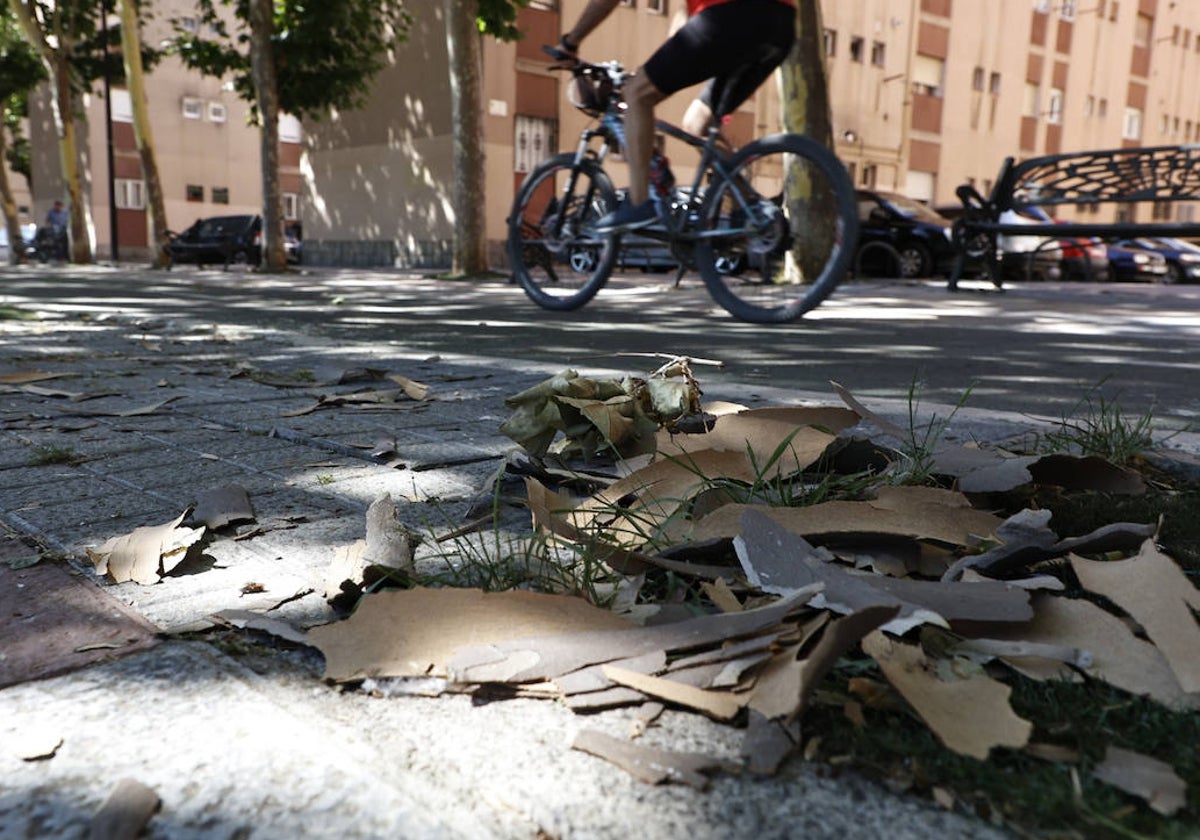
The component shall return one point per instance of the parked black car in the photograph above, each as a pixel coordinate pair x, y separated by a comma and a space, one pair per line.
1183, 258
220, 240
900, 234
1137, 264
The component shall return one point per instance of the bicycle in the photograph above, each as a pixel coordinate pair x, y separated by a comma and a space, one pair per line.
737, 223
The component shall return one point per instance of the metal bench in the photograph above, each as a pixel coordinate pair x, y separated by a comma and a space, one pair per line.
1117, 176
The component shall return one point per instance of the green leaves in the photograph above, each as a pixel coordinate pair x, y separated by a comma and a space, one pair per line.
326, 53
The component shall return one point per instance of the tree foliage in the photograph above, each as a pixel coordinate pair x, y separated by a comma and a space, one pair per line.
326, 53
498, 18
20, 71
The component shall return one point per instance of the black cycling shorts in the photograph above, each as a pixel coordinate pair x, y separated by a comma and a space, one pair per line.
735, 45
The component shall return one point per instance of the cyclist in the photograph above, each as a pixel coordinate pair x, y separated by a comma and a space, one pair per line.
734, 44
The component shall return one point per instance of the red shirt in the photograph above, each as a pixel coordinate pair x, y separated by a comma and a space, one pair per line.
695, 7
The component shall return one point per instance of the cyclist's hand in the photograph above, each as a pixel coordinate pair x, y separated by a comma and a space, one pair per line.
564, 53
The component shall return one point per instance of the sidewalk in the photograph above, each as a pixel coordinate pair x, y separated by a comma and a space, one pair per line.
143, 417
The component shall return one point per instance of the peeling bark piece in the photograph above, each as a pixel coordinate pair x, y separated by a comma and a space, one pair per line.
554, 512
770, 551
146, 554
917, 516
125, 813
768, 743
388, 543
593, 678
983, 470
609, 698
33, 744
721, 595
1154, 590
784, 686
222, 506
548, 657
1153, 780
250, 620
763, 431
414, 632
1027, 540
885, 426
1118, 657
969, 716
413, 390
1073, 472
651, 765
719, 705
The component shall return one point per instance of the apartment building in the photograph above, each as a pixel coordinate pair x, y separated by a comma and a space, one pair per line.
926, 95
208, 154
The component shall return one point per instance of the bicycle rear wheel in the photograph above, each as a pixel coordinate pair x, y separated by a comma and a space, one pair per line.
780, 225
556, 260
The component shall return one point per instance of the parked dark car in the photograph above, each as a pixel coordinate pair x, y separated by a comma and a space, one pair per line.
1183, 258
1137, 264
220, 240
902, 233
1084, 259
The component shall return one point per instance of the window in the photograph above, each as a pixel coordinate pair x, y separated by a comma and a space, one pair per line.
535, 137
120, 105
1102, 107
878, 54
1089, 105
1033, 96
927, 75
220, 195
1142, 30
217, 112
994, 84
193, 108
289, 129
129, 194
658, 7
1042, 7
856, 49
977, 79
291, 206
1054, 107
830, 43
1131, 126
189, 25
195, 192
1112, 11
1067, 10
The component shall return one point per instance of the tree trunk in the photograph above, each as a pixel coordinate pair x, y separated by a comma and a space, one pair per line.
57, 61
805, 91
131, 50
16, 242
266, 85
466, 98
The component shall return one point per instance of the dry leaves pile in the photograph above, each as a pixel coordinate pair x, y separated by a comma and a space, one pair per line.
948, 598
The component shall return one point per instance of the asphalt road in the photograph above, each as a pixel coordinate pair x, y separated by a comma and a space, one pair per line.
1037, 349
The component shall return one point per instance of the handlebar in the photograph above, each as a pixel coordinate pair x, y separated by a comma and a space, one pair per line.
577, 66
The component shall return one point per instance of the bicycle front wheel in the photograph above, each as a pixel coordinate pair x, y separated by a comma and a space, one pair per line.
779, 230
555, 258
